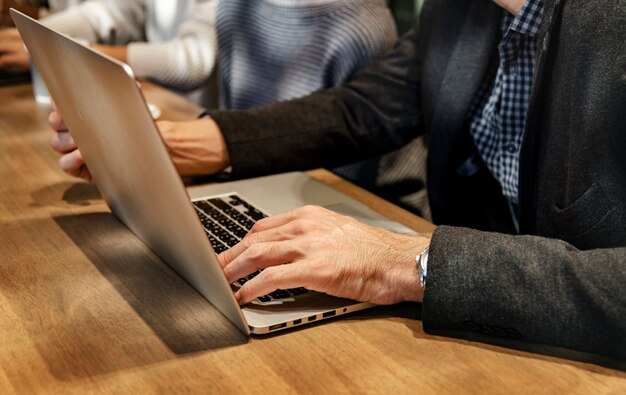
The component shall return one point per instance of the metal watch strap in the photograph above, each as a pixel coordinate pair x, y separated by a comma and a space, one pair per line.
422, 264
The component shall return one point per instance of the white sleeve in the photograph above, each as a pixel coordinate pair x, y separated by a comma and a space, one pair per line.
114, 22
186, 61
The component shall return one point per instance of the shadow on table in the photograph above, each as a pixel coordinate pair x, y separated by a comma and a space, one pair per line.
411, 314
75, 193
591, 362
176, 312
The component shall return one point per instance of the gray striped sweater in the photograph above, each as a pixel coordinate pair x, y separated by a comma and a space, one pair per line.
272, 50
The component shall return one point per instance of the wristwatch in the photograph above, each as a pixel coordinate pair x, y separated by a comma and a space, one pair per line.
422, 264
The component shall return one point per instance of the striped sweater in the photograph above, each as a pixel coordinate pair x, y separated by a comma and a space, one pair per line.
272, 50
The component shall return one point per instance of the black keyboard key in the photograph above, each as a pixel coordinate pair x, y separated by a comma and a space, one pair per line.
223, 221
217, 230
280, 294
298, 291
219, 203
225, 224
220, 248
235, 200
202, 205
253, 275
217, 216
231, 212
255, 214
220, 234
264, 298
229, 240
247, 224
241, 233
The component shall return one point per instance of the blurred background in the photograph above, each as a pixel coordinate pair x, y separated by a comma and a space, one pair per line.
404, 12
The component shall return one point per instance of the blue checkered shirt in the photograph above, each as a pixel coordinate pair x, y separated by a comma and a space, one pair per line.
498, 114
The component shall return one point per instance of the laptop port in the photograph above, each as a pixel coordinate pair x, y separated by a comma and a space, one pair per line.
312, 318
329, 314
297, 322
278, 326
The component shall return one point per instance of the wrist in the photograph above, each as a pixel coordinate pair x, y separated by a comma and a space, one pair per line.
412, 284
223, 156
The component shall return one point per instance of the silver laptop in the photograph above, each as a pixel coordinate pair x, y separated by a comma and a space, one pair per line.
110, 122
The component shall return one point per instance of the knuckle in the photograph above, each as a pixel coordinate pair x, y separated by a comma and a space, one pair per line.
271, 275
52, 119
297, 227
303, 226
247, 242
317, 244
224, 257
244, 292
273, 249
55, 142
64, 164
55, 121
255, 252
228, 272
310, 209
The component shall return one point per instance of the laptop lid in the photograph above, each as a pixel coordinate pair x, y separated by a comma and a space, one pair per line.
104, 108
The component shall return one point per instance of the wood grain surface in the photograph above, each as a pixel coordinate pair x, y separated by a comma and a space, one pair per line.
85, 307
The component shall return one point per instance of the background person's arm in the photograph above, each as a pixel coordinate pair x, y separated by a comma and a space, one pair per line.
118, 28
13, 54
185, 61
114, 22
30, 8
376, 112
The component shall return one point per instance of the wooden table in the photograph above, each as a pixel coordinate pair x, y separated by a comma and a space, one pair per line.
86, 307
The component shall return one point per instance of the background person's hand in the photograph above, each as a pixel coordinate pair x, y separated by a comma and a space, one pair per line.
197, 147
13, 54
31, 10
71, 161
320, 250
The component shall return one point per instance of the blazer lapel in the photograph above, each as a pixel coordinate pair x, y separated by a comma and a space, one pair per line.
468, 65
528, 166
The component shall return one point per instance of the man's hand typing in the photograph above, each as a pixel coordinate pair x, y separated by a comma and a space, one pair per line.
320, 250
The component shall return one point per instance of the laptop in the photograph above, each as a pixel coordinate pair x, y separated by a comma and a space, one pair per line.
105, 110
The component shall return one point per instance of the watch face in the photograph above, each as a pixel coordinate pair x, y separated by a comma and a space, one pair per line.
422, 262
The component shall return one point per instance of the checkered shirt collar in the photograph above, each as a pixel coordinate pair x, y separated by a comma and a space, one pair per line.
527, 21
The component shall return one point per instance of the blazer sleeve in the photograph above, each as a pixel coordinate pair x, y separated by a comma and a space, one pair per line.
527, 287
376, 112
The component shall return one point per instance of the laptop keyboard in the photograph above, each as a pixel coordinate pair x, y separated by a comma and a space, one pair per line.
226, 220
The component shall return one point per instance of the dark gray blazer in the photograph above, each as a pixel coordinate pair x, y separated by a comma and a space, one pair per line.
563, 281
